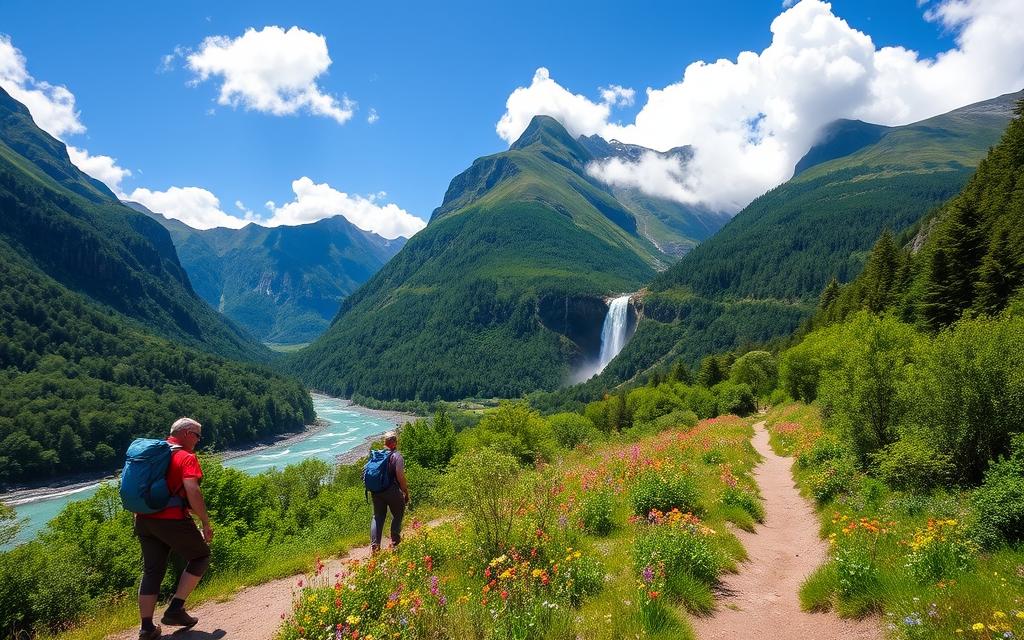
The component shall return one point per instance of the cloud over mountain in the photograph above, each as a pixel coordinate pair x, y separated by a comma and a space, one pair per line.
750, 119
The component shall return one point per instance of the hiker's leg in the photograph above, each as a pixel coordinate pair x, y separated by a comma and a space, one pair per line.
154, 566
397, 505
380, 511
189, 544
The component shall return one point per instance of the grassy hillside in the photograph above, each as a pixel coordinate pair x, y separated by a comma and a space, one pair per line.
500, 294
283, 284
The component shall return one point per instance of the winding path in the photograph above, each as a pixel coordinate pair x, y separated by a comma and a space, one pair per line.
760, 602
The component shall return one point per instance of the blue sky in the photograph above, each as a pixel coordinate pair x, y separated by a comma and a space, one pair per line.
439, 77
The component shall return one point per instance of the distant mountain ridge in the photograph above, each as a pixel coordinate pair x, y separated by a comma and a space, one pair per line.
284, 284
503, 292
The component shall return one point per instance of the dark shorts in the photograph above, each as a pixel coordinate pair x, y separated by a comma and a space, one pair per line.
158, 538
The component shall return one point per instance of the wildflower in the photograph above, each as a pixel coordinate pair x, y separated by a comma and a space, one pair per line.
977, 626
352, 620
648, 574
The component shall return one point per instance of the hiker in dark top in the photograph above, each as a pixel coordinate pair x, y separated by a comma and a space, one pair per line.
173, 529
394, 497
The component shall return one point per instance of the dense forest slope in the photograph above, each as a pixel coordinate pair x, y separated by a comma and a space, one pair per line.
968, 259
74, 230
283, 284
760, 276
501, 293
90, 292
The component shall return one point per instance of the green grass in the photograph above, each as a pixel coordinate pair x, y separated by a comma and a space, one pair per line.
285, 348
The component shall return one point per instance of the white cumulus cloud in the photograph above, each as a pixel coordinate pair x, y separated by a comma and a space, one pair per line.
272, 71
52, 106
317, 201
103, 168
544, 96
196, 207
751, 118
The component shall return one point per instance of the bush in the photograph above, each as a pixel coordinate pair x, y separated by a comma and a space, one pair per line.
824, 449
429, 443
736, 497
572, 429
654, 491
680, 549
999, 502
488, 487
912, 464
702, 402
516, 429
597, 511
734, 398
679, 418
835, 476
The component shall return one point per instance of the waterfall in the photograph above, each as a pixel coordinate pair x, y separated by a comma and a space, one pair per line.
613, 332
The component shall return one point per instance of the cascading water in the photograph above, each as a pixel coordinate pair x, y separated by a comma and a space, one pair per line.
613, 332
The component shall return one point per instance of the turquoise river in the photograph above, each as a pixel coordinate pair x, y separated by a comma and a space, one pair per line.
347, 427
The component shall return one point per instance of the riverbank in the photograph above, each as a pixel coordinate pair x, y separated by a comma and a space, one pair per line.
68, 485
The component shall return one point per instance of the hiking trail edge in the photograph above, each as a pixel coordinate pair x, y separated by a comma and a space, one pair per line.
761, 600
252, 613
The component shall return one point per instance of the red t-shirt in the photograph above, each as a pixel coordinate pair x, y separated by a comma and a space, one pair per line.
184, 464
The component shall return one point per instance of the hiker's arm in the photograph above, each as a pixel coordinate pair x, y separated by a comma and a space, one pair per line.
400, 474
198, 505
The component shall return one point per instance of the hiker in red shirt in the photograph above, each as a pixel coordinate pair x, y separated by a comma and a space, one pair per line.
173, 529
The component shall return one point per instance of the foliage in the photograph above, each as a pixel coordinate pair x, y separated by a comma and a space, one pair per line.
429, 443
756, 369
596, 512
489, 487
999, 502
514, 428
912, 463
652, 490
677, 544
572, 429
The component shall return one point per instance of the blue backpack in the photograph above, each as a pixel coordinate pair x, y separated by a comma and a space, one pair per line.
377, 471
144, 478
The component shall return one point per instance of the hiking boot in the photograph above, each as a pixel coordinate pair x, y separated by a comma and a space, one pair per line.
178, 618
152, 634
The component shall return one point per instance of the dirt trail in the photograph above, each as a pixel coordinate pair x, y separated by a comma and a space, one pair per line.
254, 613
761, 600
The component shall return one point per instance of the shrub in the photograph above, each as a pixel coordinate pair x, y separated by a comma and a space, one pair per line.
596, 511
702, 402
517, 430
824, 449
429, 443
487, 486
678, 418
999, 502
572, 429
736, 497
655, 491
680, 546
912, 464
835, 476
734, 398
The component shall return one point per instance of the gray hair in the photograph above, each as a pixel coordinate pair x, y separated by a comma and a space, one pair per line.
185, 424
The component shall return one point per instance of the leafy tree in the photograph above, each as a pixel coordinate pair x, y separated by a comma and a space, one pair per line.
430, 443
757, 369
516, 429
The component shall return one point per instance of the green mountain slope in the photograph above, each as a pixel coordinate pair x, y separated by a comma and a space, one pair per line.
283, 284
501, 293
90, 292
760, 276
73, 229
968, 259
